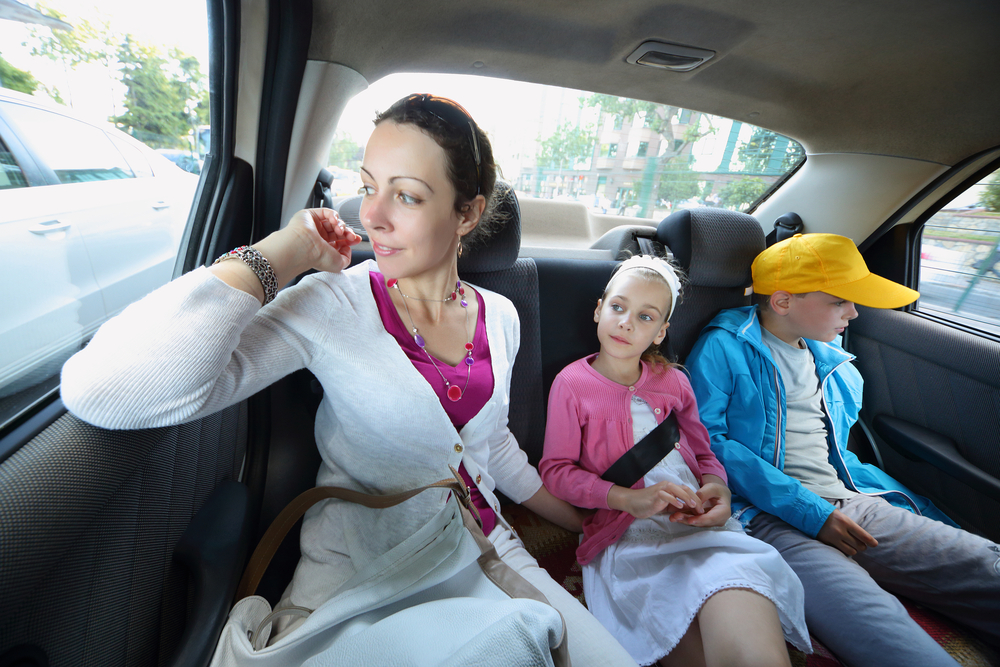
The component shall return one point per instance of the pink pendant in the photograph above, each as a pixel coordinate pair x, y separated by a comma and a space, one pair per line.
469, 346
454, 393
391, 282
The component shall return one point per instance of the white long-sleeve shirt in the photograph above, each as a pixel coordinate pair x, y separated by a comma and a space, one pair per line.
197, 345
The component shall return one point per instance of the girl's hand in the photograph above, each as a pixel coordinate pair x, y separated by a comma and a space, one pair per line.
716, 498
644, 503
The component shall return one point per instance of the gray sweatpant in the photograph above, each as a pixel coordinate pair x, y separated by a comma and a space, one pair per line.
946, 569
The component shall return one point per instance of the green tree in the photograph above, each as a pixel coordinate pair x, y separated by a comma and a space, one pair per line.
16, 79
190, 86
156, 104
677, 181
740, 194
72, 48
567, 146
758, 154
345, 153
990, 198
660, 118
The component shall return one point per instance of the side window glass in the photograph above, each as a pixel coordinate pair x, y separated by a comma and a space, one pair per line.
98, 113
140, 167
75, 151
960, 258
10, 173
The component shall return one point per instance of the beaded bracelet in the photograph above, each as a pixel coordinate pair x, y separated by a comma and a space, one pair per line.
259, 265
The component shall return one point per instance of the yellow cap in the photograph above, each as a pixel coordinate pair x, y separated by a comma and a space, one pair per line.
825, 263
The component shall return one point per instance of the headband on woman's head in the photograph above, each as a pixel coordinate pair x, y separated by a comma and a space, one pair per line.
657, 264
452, 113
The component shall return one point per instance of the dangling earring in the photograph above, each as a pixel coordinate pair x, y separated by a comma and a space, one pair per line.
459, 248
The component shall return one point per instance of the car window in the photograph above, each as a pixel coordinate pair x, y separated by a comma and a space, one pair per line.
960, 258
75, 151
138, 163
616, 156
10, 174
104, 227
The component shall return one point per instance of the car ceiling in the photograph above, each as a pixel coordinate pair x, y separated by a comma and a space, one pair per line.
909, 78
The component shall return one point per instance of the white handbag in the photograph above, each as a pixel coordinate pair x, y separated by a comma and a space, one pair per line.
407, 607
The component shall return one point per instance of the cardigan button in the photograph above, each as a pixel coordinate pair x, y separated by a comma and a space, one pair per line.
631, 389
458, 447
656, 410
677, 445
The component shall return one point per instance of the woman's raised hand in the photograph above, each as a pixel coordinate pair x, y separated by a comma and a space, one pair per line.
329, 237
315, 238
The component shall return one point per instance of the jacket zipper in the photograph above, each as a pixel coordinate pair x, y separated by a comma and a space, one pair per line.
777, 430
836, 447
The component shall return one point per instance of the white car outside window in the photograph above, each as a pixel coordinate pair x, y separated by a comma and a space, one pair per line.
97, 227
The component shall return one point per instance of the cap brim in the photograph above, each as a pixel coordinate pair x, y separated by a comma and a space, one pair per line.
875, 292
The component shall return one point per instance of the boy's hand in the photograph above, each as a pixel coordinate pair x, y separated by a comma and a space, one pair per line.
716, 499
842, 532
644, 503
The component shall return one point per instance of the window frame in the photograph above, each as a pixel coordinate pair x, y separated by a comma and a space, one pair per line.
914, 232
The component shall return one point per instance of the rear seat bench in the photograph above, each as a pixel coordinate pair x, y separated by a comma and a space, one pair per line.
555, 299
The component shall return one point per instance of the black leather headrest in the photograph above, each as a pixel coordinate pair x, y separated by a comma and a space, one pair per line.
714, 246
498, 251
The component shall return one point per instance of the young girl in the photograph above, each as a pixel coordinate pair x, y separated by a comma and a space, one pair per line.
665, 567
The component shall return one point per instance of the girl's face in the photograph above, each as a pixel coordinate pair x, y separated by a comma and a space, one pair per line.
408, 208
632, 316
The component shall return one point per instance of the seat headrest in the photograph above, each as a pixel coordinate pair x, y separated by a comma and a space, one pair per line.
714, 246
499, 250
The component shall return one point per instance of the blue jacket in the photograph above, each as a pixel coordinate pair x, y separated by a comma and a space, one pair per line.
741, 400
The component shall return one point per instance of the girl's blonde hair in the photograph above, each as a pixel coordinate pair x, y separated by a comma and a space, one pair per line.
663, 271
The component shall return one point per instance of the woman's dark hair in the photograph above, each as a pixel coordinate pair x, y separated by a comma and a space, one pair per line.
471, 167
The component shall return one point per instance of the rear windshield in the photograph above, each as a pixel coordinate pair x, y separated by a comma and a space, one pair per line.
616, 156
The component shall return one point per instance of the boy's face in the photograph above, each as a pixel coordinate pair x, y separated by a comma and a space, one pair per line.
819, 316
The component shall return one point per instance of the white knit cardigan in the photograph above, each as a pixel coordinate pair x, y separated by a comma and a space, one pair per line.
196, 346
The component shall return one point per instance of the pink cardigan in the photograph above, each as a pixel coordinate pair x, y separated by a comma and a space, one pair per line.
590, 425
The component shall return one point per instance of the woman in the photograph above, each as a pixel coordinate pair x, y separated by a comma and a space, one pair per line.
415, 364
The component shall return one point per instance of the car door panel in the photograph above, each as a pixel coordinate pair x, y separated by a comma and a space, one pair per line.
90, 520
932, 403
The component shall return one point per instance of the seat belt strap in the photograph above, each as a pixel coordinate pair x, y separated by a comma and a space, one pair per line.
645, 454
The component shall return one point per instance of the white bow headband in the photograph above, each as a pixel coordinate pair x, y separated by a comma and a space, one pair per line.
660, 266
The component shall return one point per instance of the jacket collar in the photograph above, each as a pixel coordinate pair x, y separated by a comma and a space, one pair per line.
745, 325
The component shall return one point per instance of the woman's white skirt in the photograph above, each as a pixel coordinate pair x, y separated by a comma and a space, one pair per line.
647, 587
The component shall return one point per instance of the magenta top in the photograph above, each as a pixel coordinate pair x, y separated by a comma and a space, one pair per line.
474, 397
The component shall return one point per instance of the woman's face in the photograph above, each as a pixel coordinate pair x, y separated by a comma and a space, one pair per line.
408, 208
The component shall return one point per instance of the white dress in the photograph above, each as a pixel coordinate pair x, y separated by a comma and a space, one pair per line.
647, 587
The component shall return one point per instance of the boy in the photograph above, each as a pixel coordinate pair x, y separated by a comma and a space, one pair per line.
779, 396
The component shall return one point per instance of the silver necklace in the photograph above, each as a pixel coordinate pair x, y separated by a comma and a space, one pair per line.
452, 391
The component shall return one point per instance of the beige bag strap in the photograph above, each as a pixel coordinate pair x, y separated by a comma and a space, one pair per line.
294, 511
502, 575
